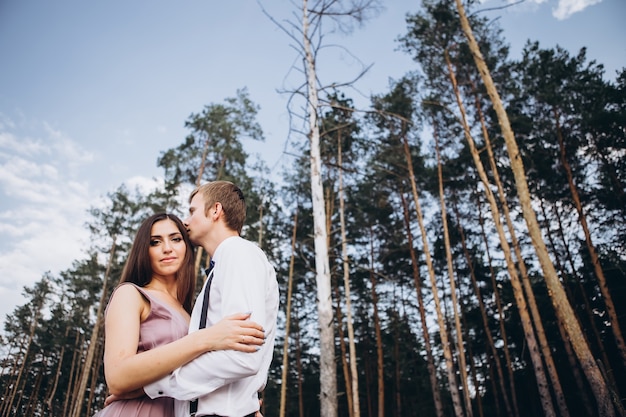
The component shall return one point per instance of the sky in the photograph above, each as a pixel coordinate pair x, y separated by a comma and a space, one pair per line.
92, 92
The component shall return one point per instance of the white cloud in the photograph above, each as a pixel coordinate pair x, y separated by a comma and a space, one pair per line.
43, 210
6, 122
26, 146
566, 8
144, 185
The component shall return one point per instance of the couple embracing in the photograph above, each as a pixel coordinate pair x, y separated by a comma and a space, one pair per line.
165, 358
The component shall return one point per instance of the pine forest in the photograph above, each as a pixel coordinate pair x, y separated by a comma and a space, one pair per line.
455, 247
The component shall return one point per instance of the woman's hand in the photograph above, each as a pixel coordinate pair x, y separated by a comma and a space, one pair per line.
234, 332
128, 396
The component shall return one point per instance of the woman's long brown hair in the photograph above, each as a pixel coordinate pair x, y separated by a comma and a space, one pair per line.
138, 268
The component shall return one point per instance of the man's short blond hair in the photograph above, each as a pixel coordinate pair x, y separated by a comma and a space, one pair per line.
229, 196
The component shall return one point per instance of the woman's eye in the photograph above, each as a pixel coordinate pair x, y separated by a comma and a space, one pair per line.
154, 242
177, 239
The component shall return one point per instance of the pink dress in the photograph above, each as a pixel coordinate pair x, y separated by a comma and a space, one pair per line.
162, 326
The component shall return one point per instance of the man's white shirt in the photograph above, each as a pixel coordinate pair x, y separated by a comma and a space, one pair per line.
226, 382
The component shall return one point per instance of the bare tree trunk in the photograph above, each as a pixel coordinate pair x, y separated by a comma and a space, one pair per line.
530, 296
378, 334
74, 371
344, 351
57, 375
483, 313
11, 403
368, 385
447, 353
599, 344
451, 278
283, 386
77, 409
595, 260
328, 372
18, 402
542, 383
496, 292
397, 372
571, 357
618, 187
95, 372
299, 368
34, 394
9, 385
261, 224
356, 408
430, 361
563, 308
470, 355
590, 316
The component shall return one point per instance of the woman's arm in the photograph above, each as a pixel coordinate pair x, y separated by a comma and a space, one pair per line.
126, 370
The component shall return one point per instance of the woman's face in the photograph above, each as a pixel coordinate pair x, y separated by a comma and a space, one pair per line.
167, 248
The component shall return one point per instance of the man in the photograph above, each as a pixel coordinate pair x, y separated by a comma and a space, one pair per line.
226, 383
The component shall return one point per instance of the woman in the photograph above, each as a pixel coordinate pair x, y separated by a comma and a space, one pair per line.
147, 319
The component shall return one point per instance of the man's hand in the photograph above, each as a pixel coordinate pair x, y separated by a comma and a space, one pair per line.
235, 332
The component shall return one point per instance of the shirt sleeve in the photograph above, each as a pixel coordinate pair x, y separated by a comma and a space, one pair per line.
241, 287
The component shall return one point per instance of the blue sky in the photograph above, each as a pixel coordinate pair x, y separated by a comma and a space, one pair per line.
92, 92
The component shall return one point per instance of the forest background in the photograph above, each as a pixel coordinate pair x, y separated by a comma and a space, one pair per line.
573, 151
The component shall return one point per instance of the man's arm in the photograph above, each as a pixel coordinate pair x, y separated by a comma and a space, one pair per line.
241, 287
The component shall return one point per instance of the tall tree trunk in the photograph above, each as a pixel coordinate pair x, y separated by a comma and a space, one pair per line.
74, 372
368, 384
34, 390
95, 372
205, 152
533, 349
354, 382
582, 391
342, 346
328, 371
9, 385
618, 187
397, 372
498, 299
299, 368
57, 375
451, 278
283, 385
430, 361
564, 310
17, 406
11, 403
447, 352
77, 409
378, 334
483, 313
470, 355
599, 344
530, 296
595, 260
573, 363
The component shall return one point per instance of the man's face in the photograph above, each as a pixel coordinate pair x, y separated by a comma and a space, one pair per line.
198, 225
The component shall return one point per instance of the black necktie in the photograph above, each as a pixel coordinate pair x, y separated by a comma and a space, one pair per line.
193, 405
207, 290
